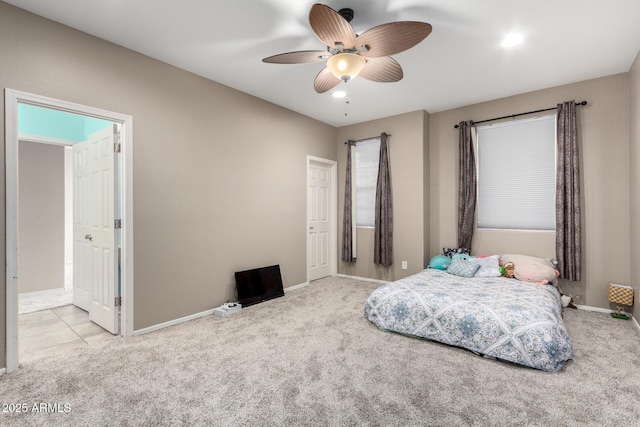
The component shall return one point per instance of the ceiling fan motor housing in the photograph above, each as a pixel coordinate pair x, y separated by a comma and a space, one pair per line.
346, 13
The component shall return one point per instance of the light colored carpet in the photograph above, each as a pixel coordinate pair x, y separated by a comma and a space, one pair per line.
311, 358
30, 302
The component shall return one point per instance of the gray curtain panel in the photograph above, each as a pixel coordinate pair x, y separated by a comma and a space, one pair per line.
347, 227
383, 231
466, 185
568, 249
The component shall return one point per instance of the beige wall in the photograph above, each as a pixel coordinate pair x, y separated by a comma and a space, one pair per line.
407, 145
219, 176
634, 162
603, 127
426, 192
42, 215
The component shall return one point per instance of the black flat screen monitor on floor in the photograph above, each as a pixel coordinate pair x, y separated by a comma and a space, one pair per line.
259, 284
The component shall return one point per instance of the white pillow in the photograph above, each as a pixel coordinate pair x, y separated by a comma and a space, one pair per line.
489, 266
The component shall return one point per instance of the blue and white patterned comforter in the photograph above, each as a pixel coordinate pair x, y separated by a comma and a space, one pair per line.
503, 318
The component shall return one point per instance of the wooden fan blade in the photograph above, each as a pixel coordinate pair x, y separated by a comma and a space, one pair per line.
384, 69
325, 81
299, 57
394, 37
331, 28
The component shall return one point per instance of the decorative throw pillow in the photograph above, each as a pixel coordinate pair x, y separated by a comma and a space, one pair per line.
489, 266
439, 262
463, 267
450, 252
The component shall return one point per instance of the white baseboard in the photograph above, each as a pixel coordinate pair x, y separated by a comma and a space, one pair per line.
172, 322
3, 371
197, 315
598, 309
294, 287
366, 279
605, 310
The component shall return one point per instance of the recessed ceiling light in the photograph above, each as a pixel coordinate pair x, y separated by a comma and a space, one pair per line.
339, 94
512, 39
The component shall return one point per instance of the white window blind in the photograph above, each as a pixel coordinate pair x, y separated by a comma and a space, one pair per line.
517, 174
367, 154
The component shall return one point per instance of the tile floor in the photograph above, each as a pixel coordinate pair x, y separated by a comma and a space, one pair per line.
29, 302
56, 331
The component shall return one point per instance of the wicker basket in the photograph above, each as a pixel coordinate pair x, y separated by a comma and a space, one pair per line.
620, 295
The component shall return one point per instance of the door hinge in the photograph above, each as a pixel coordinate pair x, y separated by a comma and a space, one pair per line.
116, 147
118, 301
118, 224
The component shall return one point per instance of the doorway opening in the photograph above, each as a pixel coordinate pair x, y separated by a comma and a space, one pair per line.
104, 212
45, 281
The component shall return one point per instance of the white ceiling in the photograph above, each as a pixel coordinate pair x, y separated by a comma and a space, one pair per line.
460, 63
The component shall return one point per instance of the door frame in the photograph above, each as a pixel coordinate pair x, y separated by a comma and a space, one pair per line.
333, 209
11, 100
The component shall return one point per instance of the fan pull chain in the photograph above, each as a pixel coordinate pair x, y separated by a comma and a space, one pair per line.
346, 104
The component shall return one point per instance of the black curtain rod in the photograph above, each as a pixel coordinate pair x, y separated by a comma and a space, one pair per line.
365, 139
519, 114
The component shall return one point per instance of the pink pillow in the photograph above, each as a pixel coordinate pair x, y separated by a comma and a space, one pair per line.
534, 272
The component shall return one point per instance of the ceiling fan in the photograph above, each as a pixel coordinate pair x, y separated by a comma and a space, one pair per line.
348, 54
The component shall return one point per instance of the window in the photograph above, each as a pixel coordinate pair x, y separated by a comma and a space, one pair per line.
517, 175
367, 154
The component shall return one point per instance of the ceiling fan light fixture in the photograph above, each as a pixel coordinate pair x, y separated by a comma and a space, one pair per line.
346, 66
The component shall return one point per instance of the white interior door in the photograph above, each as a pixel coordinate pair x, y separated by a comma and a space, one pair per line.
95, 246
81, 227
319, 217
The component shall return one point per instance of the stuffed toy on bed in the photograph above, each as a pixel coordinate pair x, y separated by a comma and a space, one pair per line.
535, 273
439, 262
532, 269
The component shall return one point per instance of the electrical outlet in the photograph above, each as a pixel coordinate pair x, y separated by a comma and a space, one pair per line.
404, 265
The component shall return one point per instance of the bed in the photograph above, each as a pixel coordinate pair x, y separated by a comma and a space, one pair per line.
506, 319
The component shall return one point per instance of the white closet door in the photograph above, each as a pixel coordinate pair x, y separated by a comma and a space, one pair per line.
319, 226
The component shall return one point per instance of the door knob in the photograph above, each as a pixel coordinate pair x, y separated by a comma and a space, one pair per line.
88, 237
310, 228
